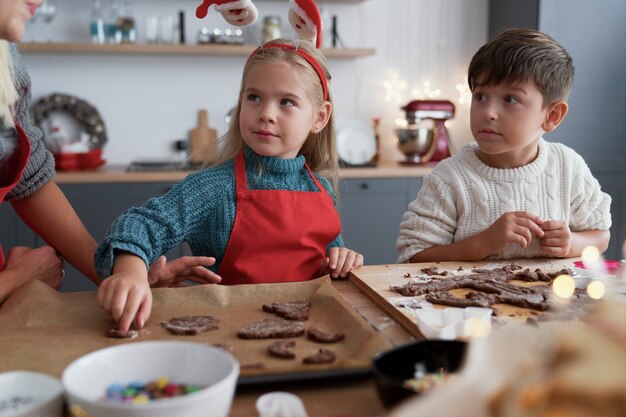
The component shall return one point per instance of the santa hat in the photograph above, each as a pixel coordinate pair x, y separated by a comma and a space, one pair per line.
220, 5
307, 10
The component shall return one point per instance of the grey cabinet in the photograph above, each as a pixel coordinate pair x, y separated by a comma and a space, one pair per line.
371, 211
593, 32
97, 205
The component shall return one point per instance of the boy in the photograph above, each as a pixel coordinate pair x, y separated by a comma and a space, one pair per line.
511, 194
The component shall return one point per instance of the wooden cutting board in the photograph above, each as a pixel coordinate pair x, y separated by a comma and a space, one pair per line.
374, 281
203, 141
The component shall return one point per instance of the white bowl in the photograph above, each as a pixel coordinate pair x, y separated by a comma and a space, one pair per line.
86, 379
30, 394
450, 323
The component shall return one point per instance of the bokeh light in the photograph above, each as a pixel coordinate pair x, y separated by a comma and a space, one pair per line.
596, 289
476, 327
590, 255
563, 286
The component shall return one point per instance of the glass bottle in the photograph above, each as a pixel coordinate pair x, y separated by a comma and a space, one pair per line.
126, 31
111, 21
97, 23
271, 28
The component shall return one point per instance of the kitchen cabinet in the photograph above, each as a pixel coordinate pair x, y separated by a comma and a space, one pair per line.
97, 205
594, 125
370, 208
371, 211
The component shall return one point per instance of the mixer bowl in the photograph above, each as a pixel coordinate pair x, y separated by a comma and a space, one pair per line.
417, 143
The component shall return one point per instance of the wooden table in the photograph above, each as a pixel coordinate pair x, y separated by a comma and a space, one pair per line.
346, 397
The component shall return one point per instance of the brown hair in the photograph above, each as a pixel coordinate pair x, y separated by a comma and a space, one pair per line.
319, 149
522, 55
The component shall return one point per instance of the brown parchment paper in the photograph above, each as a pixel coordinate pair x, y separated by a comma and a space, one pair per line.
44, 330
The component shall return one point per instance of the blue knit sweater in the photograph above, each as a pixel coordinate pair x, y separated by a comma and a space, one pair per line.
200, 210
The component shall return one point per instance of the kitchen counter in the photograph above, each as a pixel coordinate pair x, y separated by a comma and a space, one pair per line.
119, 174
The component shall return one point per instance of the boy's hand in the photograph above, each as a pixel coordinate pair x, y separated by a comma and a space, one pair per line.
514, 227
126, 294
557, 238
186, 268
340, 261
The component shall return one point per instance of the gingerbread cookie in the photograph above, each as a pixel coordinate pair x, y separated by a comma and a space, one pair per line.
190, 325
292, 310
270, 328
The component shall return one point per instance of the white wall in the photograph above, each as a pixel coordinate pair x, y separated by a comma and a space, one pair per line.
149, 101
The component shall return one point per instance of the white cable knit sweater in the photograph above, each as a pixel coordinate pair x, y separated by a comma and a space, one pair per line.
463, 196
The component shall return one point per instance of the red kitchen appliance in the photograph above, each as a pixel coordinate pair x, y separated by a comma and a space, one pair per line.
425, 138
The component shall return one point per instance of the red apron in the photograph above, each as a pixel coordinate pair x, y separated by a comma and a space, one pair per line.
24, 154
278, 235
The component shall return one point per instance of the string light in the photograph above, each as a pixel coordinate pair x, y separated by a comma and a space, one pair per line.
563, 286
394, 87
427, 92
465, 95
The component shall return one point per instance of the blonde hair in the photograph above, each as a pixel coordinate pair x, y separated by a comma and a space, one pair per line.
319, 149
8, 93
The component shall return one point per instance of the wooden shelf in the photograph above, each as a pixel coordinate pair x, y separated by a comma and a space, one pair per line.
164, 49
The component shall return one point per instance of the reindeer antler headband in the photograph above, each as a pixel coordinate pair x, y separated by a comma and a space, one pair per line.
304, 17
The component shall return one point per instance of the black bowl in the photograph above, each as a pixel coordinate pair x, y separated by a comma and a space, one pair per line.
393, 367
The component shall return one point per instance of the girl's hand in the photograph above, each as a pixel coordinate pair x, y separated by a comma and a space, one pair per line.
185, 268
126, 294
557, 239
340, 261
514, 227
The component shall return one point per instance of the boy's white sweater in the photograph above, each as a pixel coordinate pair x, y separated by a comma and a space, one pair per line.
463, 196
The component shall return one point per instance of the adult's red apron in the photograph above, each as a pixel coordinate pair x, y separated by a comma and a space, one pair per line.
24, 154
278, 235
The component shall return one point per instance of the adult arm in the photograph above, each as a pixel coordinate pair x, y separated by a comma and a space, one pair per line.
48, 212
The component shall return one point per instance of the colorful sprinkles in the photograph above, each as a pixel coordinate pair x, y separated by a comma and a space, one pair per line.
140, 392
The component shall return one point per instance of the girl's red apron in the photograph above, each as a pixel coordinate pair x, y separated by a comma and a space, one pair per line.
278, 235
24, 153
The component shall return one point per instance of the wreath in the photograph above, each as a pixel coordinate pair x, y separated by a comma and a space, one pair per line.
86, 114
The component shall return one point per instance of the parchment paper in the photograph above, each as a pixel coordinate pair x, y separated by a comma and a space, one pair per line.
44, 330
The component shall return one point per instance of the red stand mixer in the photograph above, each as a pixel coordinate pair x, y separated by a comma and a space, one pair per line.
425, 138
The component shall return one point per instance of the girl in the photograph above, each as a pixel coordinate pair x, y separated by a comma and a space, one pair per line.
260, 210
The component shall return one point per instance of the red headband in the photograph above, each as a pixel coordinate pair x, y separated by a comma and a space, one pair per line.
318, 69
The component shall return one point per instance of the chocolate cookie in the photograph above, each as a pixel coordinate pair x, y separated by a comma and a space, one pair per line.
270, 328
321, 356
292, 310
115, 333
190, 325
319, 336
282, 349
